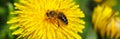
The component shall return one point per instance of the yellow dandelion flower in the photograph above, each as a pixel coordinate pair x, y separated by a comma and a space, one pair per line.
106, 22
101, 16
47, 19
113, 29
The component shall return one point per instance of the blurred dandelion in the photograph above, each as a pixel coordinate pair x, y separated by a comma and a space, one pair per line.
106, 22
113, 28
47, 19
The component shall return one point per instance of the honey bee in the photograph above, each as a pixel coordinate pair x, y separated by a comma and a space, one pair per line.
58, 15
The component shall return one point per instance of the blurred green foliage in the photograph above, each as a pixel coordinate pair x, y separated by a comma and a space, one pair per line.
5, 33
86, 6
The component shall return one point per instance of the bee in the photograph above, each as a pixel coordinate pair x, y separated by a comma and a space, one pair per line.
58, 15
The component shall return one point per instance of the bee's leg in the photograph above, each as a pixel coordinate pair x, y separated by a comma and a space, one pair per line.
58, 23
